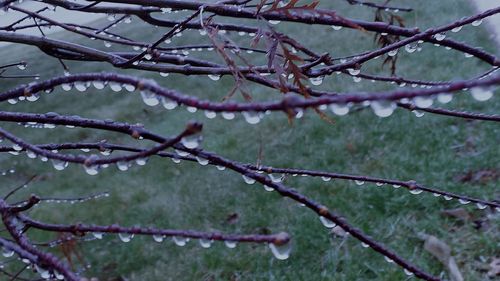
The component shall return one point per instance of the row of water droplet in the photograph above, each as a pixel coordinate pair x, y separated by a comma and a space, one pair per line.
382, 108
281, 252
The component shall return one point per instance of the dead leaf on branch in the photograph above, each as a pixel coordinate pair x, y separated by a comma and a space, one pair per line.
442, 252
384, 40
292, 5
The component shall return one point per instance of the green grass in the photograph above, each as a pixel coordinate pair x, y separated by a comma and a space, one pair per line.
432, 150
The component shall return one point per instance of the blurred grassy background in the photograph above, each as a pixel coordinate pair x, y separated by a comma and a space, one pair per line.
433, 150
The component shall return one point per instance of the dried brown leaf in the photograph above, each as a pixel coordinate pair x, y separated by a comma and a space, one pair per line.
479, 176
339, 231
494, 268
442, 252
459, 213
455, 274
438, 248
232, 218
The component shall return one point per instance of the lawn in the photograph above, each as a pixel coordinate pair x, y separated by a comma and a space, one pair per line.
434, 150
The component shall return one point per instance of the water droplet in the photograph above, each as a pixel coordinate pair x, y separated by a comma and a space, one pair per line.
407, 272
205, 243
276, 178
281, 252
339, 109
66, 87
274, 22
191, 109
418, 114
230, 244
481, 93
481, 206
214, 77
228, 115
389, 260
359, 182
166, 10
210, 114
33, 97
440, 36
463, 201
456, 29
91, 170
396, 186
392, 53
383, 108
141, 161
411, 48
115, 87
336, 27
106, 152
202, 161
180, 241
192, 141
316, 81
122, 165
168, 103
99, 85
97, 235
31, 154
379, 184
416, 191
158, 238
7, 252
44, 273
444, 98
59, 165
364, 245
326, 178
447, 197
268, 188
125, 237
17, 147
251, 117
326, 222
182, 153
353, 71
423, 102
149, 98
248, 180
299, 113
58, 275
477, 22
